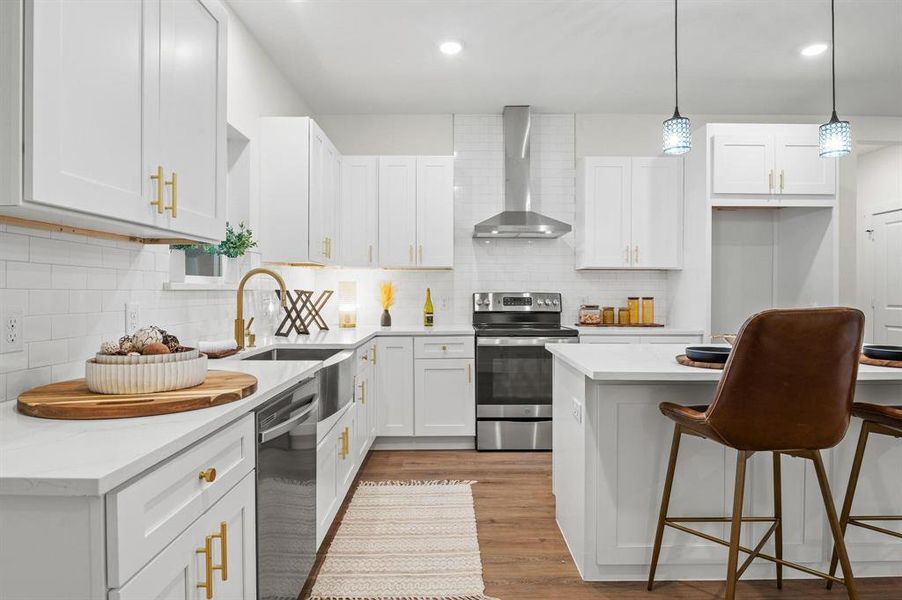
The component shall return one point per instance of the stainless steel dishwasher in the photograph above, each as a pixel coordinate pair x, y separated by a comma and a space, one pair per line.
286, 491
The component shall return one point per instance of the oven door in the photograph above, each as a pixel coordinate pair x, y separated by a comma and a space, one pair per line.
513, 377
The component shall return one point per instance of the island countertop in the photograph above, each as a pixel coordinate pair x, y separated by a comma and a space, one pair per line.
657, 362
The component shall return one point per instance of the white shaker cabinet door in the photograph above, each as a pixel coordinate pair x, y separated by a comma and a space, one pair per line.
394, 385
84, 103
743, 164
326, 483
445, 400
799, 167
359, 211
192, 115
435, 211
603, 214
657, 213
397, 211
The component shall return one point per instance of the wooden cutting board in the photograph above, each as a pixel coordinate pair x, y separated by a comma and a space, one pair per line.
876, 362
688, 362
73, 400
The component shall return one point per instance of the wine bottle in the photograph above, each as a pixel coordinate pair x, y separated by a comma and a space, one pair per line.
428, 313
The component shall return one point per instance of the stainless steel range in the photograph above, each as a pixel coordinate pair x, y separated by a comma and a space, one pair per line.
513, 369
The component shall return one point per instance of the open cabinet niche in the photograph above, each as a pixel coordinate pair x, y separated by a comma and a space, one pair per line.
769, 258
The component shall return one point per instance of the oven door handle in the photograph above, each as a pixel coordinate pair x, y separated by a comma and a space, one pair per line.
525, 341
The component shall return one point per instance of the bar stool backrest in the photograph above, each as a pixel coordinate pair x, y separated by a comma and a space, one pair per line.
790, 380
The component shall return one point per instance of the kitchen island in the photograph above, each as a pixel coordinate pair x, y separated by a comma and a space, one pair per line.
610, 451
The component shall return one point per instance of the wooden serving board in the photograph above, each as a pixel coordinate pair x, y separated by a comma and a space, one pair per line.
73, 400
688, 362
876, 362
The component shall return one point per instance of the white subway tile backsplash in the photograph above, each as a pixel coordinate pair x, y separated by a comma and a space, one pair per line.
64, 277
51, 352
13, 246
36, 329
26, 275
84, 301
48, 302
20, 381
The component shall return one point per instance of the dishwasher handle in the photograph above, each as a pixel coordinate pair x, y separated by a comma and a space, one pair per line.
274, 432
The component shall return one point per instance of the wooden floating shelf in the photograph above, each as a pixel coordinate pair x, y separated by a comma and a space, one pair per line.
636, 326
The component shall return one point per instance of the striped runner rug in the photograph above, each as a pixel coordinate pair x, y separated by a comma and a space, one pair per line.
405, 540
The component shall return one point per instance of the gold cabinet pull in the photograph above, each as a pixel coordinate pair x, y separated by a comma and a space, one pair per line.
161, 187
469, 374
345, 443
770, 179
207, 550
362, 387
782, 179
373, 354
174, 205
223, 537
636, 255
208, 475
371, 254
329, 241
410, 254
444, 348
626, 254
421, 253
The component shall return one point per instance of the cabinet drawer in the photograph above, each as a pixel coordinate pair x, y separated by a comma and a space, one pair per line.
147, 514
460, 346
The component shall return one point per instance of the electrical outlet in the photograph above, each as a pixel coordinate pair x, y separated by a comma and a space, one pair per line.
132, 317
12, 331
577, 411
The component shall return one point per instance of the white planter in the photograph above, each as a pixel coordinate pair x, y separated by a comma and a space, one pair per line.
234, 269
176, 266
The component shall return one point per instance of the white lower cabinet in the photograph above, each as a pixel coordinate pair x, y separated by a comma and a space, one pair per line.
394, 385
214, 558
336, 466
444, 397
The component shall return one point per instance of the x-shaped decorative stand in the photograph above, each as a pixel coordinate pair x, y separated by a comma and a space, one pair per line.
302, 311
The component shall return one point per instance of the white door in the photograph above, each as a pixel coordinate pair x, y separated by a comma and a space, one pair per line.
397, 211
435, 211
657, 213
445, 401
319, 188
176, 571
192, 116
799, 169
326, 484
604, 214
394, 385
888, 278
359, 211
88, 131
743, 164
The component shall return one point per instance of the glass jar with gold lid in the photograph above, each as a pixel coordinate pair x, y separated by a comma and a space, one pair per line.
589, 314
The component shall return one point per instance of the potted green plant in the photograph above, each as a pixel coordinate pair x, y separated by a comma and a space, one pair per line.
233, 248
193, 260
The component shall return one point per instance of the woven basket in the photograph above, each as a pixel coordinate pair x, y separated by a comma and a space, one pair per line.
145, 378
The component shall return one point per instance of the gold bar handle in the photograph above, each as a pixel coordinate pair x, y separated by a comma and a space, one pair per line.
324, 251
421, 253
469, 374
770, 179
208, 566
782, 179
159, 178
362, 387
636, 255
174, 205
410, 254
626, 255
223, 537
373, 355
371, 254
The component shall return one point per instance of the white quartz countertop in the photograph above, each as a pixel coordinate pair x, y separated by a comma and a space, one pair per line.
353, 337
657, 362
648, 331
88, 458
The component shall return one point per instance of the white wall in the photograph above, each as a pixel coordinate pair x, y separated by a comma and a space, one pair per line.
390, 134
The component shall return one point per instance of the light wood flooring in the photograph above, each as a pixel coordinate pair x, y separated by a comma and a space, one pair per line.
523, 554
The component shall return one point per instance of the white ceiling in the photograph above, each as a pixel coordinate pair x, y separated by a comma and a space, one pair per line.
586, 56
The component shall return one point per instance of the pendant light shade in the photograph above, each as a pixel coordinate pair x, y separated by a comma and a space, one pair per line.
835, 136
677, 130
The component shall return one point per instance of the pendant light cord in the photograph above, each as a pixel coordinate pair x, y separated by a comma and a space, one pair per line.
676, 63
832, 49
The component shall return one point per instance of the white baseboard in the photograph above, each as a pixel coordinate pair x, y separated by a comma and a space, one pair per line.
463, 442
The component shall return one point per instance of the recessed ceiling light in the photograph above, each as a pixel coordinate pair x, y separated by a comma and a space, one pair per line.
450, 47
814, 49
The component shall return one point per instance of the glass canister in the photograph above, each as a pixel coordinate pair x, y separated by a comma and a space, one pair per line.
589, 314
633, 304
607, 315
648, 311
623, 315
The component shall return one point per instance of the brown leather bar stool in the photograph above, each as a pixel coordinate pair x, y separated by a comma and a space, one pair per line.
880, 420
787, 388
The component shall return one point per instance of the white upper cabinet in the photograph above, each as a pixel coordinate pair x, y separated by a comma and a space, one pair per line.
416, 211
771, 160
116, 93
325, 186
629, 213
359, 211
191, 127
435, 211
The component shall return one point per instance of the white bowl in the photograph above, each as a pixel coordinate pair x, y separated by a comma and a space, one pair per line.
145, 359
145, 378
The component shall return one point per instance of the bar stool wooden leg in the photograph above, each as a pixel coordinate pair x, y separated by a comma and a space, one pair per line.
736, 527
850, 492
778, 515
665, 502
840, 546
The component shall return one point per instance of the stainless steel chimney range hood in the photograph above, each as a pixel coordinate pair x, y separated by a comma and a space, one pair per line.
518, 220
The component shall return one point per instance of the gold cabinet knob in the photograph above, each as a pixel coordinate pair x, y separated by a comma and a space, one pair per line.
208, 475
444, 348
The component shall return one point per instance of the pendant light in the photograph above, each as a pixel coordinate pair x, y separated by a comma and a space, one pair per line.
677, 135
835, 136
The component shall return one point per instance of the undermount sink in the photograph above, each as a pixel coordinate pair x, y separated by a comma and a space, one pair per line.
294, 354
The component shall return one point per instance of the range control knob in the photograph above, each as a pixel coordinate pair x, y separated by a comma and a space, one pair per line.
555, 302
